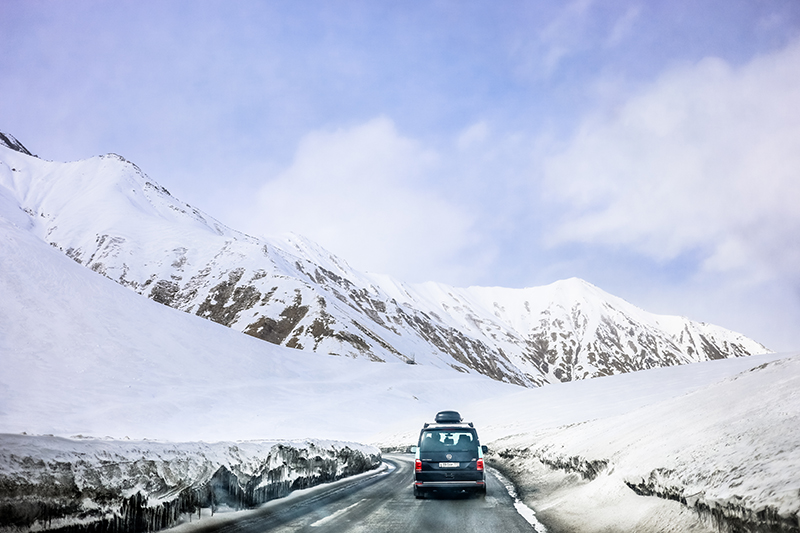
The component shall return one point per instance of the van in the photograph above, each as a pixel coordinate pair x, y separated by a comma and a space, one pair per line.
449, 458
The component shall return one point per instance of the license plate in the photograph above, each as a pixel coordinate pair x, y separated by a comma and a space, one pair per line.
449, 465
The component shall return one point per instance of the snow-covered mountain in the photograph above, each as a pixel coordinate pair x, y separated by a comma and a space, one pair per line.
107, 215
81, 353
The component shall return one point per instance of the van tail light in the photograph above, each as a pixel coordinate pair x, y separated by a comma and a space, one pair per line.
418, 465
480, 464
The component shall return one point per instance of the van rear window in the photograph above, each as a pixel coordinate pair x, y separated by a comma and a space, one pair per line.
448, 440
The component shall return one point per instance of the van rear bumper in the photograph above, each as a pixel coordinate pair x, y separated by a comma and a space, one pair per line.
450, 485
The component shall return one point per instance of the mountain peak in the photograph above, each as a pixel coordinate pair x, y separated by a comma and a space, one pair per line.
9, 141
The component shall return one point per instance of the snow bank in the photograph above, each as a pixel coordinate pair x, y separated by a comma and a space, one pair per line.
729, 452
94, 485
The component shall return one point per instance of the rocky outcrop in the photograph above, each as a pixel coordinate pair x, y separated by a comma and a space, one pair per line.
10, 142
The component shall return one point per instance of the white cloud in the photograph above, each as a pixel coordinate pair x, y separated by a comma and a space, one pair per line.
623, 26
706, 160
365, 193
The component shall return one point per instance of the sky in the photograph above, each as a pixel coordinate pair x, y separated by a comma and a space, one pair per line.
651, 148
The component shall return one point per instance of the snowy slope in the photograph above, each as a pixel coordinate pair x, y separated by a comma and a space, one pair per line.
107, 215
528, 411
729, 451
82, 354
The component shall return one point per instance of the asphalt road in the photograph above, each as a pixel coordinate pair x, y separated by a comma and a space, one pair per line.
382, 502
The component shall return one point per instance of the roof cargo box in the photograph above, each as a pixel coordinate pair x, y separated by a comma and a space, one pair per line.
448, 417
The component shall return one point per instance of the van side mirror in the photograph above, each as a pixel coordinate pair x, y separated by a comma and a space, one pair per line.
413, 449
485, 449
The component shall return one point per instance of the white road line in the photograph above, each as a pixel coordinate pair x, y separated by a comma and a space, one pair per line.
335, 515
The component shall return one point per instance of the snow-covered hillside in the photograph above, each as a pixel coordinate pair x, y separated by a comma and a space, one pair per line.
82, 354
106, 214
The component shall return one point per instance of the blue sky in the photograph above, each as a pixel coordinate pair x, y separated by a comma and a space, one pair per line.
651, 148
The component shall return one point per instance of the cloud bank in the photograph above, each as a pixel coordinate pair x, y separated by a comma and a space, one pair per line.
363, 193
705, 161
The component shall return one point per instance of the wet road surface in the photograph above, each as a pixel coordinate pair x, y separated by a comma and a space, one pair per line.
382, 502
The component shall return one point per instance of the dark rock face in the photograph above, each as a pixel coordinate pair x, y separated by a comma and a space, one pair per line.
164, 292
277, 331
226, 300
10, 142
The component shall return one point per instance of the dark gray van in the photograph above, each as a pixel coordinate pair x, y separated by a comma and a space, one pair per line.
449, 458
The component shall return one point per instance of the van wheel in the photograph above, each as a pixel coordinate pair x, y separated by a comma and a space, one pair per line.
418, 494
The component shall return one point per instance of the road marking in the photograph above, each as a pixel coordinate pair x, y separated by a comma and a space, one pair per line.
335, 515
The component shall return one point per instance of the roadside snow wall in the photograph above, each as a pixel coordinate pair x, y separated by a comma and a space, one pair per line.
117, 486
729, 453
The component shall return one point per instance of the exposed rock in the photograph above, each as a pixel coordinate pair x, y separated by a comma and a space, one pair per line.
10, 142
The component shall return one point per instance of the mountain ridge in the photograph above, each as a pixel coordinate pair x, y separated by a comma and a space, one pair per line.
106, 214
